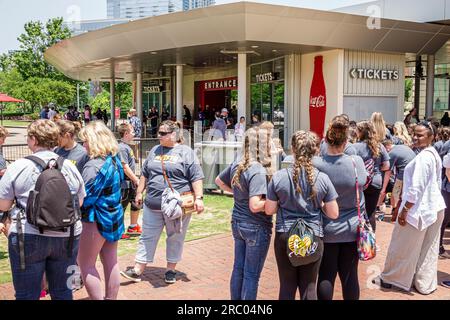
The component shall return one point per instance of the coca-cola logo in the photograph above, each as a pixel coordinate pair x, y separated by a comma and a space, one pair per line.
317, 102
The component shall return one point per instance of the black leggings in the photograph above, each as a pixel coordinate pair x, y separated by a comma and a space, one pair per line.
294, 278
371, 196
342, 259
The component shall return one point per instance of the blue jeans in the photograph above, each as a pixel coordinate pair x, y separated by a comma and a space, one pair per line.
251, 244
43, 255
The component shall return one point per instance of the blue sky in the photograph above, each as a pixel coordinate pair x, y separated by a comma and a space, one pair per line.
15, 13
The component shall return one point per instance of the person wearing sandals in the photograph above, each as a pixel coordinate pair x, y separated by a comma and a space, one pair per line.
340, 254
247, 179
412, 258
183, 172
302, 192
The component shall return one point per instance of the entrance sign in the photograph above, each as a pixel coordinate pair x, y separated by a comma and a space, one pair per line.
374, 74
317, 99
221, 84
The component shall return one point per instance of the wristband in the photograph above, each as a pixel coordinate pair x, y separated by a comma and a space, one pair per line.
199, 198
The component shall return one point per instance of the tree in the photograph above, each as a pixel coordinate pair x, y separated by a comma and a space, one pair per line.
33, 43
40, 92
101, 101
408, 88
123, 94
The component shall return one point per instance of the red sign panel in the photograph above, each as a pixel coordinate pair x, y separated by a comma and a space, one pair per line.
317, 99
117, 112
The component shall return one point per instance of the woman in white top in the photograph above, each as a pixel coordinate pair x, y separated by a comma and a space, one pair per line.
239, 129
412, 257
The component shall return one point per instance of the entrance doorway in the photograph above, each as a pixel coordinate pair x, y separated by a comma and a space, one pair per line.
213, 95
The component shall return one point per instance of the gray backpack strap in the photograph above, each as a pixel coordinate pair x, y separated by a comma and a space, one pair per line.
38, 161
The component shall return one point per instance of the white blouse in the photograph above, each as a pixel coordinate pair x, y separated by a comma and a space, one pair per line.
422, 186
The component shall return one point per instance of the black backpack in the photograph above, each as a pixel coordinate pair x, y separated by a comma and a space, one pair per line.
51, 205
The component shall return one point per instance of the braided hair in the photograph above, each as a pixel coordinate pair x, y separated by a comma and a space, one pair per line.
304, 148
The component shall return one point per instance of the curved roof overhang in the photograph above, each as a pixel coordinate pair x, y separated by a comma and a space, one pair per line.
195, 38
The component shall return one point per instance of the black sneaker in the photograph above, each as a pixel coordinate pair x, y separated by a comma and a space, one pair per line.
170, 276
130, 274
381, 283
446, 284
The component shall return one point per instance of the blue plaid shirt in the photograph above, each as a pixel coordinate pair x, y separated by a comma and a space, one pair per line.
137, 126
102, 202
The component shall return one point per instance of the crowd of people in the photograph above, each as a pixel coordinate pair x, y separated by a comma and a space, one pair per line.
322, 195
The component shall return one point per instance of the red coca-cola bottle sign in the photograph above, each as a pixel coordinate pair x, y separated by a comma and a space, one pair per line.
317, 99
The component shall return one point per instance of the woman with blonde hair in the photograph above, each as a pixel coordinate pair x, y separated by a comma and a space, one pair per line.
252, 229
376, 160
381, 132
401, 135
102, 212
300, 194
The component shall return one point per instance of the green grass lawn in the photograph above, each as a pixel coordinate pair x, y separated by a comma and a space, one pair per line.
14, 123
214, 220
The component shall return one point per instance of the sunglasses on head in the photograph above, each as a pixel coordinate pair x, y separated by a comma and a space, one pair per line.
428, 125
162, 133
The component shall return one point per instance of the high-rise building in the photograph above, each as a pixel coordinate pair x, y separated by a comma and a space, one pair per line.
133, 9
194, 4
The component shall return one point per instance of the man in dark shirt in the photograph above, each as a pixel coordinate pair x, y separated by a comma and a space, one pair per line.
153, 116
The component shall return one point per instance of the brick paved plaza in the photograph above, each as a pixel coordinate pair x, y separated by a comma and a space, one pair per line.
206, 269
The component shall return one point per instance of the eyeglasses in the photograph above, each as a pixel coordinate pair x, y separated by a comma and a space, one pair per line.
428, 125
163, 134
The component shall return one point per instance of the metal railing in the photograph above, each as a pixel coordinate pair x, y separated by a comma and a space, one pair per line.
13, 152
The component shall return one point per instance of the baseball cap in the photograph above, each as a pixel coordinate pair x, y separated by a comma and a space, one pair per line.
224, 110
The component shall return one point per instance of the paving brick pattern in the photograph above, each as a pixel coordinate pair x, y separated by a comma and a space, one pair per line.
205, 271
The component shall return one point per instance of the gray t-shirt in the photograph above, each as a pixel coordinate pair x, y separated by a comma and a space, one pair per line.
127, 156
182, 169
292, 205
218, 129
20, 179
444, 149
2, 162
349, 150
78, 156
362, 150
341, 171
399, 157
91, 168
253, 182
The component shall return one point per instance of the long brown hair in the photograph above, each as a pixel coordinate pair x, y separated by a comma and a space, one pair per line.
367, 134
257, 147
304, 148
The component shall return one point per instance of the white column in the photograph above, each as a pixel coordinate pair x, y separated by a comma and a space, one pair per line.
112, 92
430, 86
139, 95
179, 84
242, 85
